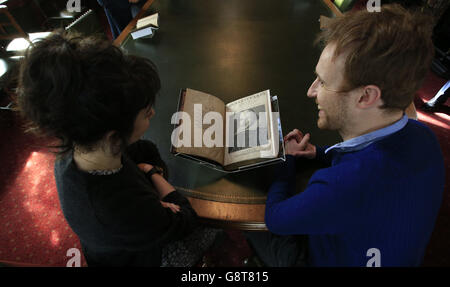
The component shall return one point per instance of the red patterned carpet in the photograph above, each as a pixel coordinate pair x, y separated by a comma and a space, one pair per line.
33, 227
34, 231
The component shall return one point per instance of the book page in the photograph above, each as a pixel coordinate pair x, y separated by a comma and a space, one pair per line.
203, 118
149, 20
249, 129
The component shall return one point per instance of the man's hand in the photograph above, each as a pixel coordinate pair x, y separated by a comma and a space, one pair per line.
133, 1
298, 145
175, 208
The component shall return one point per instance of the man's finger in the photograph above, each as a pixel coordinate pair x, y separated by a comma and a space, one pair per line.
304, 142
288, 136
294, 134
298, 132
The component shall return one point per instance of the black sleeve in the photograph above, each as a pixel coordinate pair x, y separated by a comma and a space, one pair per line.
178, 199
139, 219
145, 151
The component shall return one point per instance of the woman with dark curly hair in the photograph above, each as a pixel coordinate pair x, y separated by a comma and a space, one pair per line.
112, 186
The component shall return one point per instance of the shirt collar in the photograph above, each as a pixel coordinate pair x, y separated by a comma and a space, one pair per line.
363, 141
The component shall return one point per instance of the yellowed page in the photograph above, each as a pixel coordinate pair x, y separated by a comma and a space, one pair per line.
198, 127
257, 103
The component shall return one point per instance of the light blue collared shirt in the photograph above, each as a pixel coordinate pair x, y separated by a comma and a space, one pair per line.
362, 141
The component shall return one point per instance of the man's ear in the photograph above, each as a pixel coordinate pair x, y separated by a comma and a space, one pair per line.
371, 97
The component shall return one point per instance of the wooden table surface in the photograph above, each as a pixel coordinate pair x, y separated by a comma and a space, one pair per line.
230, 215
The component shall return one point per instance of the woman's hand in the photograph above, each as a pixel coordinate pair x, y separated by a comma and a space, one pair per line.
175, 208
298, 145
145, 167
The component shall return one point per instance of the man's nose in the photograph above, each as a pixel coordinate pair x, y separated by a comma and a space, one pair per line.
312, 91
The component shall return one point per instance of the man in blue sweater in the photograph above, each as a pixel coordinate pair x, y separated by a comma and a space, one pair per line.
377, 201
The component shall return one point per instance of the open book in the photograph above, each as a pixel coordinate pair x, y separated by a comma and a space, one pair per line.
145, 27
241, 134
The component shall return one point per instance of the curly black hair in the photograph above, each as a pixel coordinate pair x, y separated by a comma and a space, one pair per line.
78, 89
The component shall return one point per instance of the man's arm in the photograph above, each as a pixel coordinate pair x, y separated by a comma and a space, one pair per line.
324, 207
320, 208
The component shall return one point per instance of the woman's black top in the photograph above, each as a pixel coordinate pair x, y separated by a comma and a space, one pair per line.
119, 218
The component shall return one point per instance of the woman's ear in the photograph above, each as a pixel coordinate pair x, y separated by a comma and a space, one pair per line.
112, 141
371, 97
109, 136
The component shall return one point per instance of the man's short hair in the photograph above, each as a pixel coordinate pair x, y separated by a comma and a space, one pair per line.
391, 49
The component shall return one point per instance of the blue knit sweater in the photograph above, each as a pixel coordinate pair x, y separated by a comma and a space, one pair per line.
384, 196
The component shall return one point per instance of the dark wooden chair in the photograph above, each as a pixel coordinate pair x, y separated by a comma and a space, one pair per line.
9, 28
